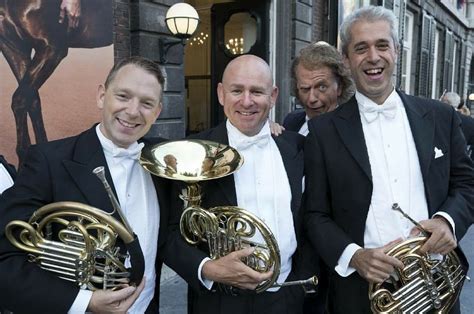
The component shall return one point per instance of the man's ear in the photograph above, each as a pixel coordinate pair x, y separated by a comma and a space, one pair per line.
345, 59
100, 96
158, 110
274, 96
397, 51
220, 93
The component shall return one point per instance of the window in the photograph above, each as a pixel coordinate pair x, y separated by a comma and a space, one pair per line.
453, 73
407, 52
435, 93
448, 67
426, 64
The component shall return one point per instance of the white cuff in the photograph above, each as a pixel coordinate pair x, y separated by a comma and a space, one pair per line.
205, 282
342, 267
81, 302
450, 220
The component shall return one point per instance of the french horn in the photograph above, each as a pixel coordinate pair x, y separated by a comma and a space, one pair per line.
78, 243
223, 228
426, 284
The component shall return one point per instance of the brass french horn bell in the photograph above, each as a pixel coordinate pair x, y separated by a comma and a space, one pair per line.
224, 228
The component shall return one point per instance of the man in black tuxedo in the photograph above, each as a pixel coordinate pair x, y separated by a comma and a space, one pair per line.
467, 123
269, 185
130, 101
321, 81
380, 148
7, 174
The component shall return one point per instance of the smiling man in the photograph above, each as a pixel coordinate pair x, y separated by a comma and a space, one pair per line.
269, 185
381, 147
61, 170
321, 82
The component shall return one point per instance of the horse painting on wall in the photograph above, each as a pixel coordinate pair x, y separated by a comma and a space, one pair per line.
35, 37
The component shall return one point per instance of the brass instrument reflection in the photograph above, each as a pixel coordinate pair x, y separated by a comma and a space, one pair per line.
171, 164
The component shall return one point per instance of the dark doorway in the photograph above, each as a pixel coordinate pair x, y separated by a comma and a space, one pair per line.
238, 28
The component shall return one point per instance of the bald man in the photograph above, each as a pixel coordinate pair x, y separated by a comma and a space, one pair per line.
269, 185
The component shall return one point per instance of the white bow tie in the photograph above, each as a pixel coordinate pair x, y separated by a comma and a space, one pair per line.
131, 153
242, 143
388, 109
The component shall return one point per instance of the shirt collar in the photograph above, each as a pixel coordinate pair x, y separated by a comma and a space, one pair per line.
110, 149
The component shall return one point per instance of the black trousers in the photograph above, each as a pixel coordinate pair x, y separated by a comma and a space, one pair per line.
288, 300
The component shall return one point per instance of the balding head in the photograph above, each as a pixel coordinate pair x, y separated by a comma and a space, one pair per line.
247, 93
248, 62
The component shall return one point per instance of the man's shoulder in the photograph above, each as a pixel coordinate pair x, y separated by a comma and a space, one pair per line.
294, 120
291, 138
426, 103
216, 132
65, 147
56, 145
467, 126
296, 114
467, 120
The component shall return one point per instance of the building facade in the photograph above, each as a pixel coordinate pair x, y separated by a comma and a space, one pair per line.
436, 48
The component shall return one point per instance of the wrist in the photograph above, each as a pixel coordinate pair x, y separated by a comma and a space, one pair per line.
353, 261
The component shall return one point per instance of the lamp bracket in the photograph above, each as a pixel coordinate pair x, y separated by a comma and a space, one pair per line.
164, 44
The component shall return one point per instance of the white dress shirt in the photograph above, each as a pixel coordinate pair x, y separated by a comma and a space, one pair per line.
304, 128
396, 176
139, 203
262, 187
6, 180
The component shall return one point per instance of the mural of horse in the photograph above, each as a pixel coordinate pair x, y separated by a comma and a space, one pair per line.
35, 35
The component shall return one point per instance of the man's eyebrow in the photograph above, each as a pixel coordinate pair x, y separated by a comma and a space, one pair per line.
235, 86
360, 43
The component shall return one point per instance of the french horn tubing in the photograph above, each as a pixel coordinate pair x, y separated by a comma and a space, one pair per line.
425, 284
78, 243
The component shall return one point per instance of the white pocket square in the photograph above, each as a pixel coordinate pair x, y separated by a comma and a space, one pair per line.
438, 152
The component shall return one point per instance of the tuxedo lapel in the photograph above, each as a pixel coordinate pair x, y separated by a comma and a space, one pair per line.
226, 184
348, 125
290, 160
88, 155
422, 128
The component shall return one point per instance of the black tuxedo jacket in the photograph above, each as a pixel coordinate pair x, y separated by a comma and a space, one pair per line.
294, 120
339, 183
56, 171
467, 126
221, 192
10, 168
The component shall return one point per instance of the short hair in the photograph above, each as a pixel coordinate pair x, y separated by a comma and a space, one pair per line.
451, 98
146, 64
322, 54
370, 14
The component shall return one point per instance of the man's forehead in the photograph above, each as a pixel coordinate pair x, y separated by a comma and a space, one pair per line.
246, 85
364, 30
318, 74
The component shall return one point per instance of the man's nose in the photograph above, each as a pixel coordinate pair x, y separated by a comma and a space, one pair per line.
247, 99
133, 107
373, 54
313, 95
